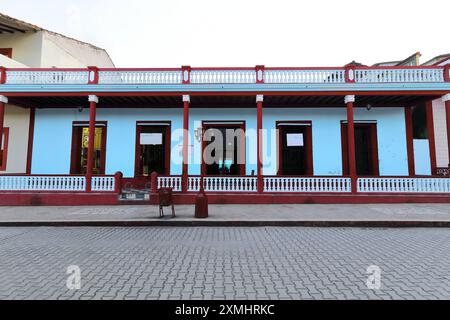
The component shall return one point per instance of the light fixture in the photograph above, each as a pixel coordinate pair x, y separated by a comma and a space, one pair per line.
368, 107
198, 134
80, 109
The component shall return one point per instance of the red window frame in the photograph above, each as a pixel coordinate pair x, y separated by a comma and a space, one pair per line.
6, 52
76, 144
4, 151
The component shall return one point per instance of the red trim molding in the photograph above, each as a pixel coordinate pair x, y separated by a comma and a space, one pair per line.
431, 140
4, 150
30, 140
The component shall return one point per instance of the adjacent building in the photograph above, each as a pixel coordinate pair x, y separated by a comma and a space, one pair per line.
23, 45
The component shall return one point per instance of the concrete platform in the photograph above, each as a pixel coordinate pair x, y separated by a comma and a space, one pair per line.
360, 215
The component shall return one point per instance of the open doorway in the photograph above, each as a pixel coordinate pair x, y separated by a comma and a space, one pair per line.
223, 148
366, 149
295, 148
152, 148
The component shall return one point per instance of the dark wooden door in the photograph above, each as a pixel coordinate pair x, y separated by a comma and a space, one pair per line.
295, 150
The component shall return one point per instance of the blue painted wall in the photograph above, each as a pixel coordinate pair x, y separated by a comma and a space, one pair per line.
326, 136
53, 136
422, 163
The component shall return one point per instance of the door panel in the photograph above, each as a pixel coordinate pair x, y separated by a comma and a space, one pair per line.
295, 150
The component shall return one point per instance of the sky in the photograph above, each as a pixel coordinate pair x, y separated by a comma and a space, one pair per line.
237, 33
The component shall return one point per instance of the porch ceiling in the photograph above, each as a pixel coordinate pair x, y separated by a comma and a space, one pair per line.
227, 101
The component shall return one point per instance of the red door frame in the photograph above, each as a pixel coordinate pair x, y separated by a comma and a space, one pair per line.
4, 153
308, 145
76, 143
224, 123
167, 137
374, 142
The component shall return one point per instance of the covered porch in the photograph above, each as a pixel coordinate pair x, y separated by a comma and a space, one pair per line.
322, 123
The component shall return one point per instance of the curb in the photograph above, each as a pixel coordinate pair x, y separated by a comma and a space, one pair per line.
225, 223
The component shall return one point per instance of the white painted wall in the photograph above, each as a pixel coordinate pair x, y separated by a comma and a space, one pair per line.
40, 49
26, 48
61, 51
17, 119
440, 133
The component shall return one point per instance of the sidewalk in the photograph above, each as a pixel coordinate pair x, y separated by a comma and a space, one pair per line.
362, 215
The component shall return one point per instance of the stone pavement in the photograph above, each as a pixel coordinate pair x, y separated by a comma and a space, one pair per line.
224, 263
234, 213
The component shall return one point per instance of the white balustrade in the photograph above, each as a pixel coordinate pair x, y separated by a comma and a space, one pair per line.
103, 184
140, 77
223, 76
42, 183
304, 76
404, 185
303, 184
218, 76
170, 182
47, 77
223, 184
398, 75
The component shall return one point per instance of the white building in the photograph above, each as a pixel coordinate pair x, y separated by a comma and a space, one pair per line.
23, 45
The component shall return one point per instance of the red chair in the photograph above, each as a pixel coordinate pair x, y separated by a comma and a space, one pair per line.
165, 200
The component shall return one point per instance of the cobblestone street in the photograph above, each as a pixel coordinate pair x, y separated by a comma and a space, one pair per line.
224, 263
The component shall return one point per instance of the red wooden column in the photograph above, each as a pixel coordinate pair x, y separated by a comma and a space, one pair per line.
446, 99
349, 99
409, 141
259, 148
3, 101
431, 140
93, 100
184, 177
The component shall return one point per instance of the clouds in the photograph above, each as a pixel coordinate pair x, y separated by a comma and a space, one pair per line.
244, 33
